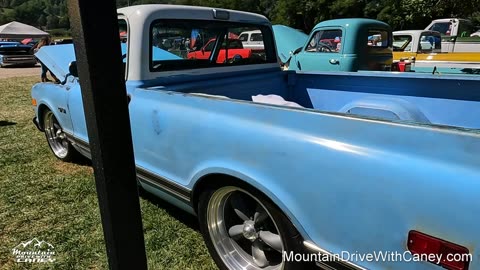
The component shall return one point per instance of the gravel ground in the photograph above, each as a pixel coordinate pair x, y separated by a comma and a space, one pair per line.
9, 72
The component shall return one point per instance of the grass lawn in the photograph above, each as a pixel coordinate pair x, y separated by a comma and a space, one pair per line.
56, 202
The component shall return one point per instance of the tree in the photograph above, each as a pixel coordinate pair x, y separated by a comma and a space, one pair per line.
52, 22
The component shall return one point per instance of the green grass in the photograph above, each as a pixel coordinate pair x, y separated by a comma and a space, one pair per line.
56, 202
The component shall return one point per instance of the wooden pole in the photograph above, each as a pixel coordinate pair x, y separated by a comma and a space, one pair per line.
97, 49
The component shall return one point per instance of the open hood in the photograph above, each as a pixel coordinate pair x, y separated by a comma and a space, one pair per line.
288, 40
57, 58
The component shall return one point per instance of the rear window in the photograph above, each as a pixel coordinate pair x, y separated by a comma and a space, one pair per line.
256, 37
191, 44
445, 28
378, 38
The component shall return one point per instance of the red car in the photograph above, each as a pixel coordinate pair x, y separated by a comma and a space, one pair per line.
235, 49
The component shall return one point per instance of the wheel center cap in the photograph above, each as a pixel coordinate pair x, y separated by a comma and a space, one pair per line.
249, 231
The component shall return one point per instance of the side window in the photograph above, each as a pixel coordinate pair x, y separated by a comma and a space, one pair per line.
402, 43
123, 33
122, 30
378, 38
325, 41
465, 29
256, 37
430, 43
209, 46
243, 37
445, 28
234, 44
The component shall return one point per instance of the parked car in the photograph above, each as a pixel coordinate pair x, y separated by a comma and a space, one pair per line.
337, 45
252, 40
16, 54
235, 51
278, 164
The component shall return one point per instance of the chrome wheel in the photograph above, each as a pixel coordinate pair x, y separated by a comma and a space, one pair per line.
57, 139
242, 231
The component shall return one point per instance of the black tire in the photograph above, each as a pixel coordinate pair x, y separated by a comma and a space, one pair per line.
57, 139
207, 208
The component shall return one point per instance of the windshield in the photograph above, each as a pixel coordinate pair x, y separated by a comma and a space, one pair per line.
402, 43
190, 44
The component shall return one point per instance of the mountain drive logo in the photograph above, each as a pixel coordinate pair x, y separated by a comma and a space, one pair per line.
34, 251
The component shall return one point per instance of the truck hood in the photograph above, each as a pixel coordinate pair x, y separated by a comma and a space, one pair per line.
288, 40
57, 58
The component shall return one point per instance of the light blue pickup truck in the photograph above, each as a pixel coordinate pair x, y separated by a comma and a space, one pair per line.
287, 169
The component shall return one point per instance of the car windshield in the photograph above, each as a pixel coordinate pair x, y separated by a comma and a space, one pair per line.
402, 43
190, 44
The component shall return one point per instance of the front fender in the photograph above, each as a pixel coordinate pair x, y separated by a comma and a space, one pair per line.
54, 98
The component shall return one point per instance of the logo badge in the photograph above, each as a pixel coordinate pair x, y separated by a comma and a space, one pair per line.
34, 251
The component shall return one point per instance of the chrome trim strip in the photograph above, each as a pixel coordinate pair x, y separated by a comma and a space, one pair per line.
167, 185
337, 260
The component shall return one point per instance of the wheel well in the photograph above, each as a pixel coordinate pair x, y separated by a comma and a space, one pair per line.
41, 111
217, 180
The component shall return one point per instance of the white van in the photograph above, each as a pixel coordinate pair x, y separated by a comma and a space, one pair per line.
252, 40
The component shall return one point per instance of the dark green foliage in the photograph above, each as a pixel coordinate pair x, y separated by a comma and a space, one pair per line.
301, 14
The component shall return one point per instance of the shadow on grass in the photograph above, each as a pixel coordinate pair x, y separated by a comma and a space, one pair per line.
177, 213
6, 123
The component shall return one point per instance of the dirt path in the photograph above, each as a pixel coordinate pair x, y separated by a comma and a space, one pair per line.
9, 72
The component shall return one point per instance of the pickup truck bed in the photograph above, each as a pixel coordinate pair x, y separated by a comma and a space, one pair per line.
416, 98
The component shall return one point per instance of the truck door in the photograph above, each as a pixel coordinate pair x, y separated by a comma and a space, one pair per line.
75, 101
448, 31
403, 47
323, 51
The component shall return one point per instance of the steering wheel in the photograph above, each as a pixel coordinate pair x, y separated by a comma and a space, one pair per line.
321, 47
235, 59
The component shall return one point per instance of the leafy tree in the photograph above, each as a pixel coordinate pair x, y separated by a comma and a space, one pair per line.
301, 14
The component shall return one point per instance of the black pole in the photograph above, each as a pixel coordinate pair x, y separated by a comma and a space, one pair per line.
97, 49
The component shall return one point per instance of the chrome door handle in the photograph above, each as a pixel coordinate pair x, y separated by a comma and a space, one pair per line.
334, 61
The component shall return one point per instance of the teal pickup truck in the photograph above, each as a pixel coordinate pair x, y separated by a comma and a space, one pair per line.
336, 45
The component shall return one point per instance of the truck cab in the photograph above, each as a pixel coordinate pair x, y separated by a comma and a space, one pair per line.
339, 45
423, 48
458, 35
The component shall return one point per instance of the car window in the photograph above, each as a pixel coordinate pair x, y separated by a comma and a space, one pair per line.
378, 38
123, 33
209, 46
402, 43
325, 41
243, 37
465, 29
232, 44
430, 43
444, 28
256, 37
